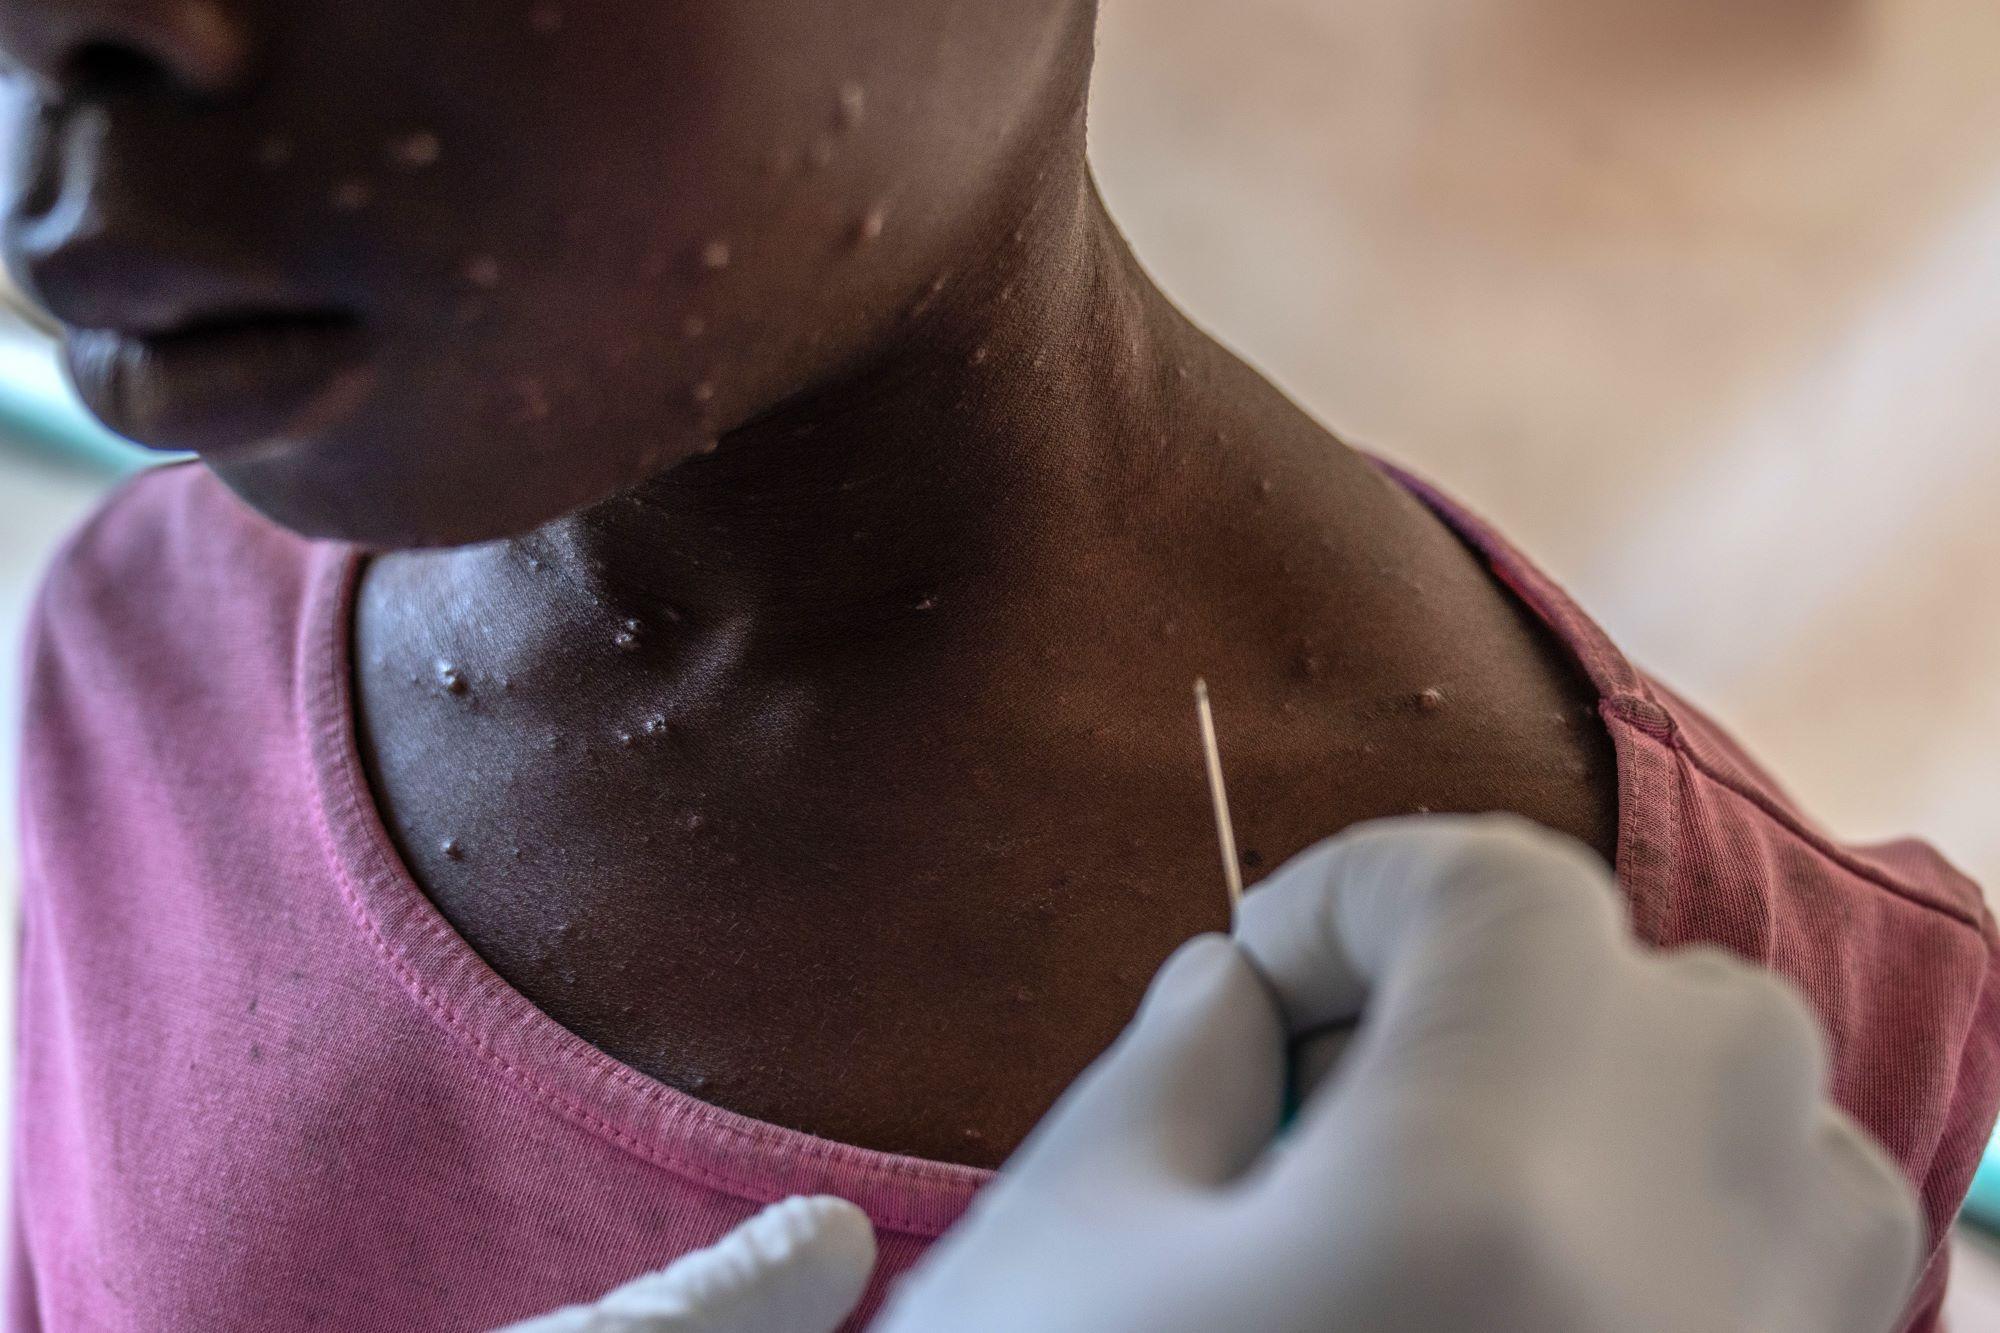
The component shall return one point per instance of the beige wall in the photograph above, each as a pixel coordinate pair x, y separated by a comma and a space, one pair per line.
1700, 301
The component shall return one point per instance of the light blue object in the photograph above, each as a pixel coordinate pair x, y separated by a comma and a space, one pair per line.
41, 417
1982, 1206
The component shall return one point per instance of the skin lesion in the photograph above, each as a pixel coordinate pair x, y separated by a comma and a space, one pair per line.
786, 583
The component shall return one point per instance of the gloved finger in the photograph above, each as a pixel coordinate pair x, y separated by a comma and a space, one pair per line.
1477, 947
1765, 1048
1868, 1228
1188, 1095
1356, 911
799, 1266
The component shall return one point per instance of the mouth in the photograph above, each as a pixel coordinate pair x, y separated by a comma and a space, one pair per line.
224, 383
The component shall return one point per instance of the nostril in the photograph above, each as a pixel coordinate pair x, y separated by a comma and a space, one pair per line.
112, 69
84, 49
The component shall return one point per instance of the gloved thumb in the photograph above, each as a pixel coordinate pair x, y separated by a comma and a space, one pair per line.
1412, 904
1468, 940
799, 1266
1188, 1095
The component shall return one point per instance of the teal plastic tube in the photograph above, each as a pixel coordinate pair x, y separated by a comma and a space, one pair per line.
57, 429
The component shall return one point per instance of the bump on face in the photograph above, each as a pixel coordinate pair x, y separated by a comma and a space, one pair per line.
566, 243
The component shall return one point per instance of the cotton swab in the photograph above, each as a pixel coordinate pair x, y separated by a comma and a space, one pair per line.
1225, 831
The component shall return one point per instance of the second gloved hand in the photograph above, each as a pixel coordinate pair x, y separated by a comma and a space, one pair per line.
799, 1266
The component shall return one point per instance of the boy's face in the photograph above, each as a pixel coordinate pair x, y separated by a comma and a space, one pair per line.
420, 271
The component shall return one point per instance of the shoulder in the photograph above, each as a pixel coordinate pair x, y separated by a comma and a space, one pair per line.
1711, 846
171, 565
1734, 804
162, 647
168, 527
1893, 945
166, 777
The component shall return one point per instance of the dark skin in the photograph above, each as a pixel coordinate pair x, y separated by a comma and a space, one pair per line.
846, 775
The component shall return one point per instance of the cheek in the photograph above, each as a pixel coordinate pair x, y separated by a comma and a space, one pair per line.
493, 432
585, 281
574, 354
663, 290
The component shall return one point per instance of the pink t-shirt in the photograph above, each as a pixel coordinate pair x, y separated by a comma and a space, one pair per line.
262, 1085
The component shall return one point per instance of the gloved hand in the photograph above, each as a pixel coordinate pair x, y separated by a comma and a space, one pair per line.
797, 1267
1537, 1127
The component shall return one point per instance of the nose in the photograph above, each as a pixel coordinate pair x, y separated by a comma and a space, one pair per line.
80, 49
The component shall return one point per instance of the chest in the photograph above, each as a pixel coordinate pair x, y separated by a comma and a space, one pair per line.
916, 960
911, 943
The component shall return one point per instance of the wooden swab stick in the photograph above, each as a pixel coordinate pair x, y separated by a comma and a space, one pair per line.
1225, 831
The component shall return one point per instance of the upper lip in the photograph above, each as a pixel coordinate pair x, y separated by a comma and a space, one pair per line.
90, 258
146, 294
88, 279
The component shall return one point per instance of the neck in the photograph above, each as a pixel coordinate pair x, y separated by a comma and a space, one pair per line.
1029, 401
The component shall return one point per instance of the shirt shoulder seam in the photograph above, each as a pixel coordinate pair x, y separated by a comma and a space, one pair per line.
1976, 921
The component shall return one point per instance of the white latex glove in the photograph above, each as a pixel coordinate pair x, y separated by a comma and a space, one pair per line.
797, 1267
1538, 1127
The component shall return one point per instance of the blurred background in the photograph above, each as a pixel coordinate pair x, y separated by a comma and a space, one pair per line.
1700, 301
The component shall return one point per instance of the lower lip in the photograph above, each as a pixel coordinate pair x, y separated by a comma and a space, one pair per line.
223, 391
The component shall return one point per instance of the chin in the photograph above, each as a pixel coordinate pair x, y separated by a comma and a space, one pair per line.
384, 507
